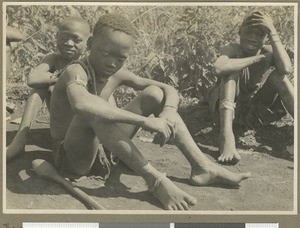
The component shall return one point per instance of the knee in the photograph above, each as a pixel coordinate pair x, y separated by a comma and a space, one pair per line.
233, 76
153, 94
279, 82
40, 91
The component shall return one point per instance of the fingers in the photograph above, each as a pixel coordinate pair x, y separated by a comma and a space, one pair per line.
169, 131
173, 128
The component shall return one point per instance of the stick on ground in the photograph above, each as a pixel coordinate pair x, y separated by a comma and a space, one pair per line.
45, 169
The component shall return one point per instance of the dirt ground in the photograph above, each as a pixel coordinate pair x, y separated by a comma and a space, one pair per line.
264, 153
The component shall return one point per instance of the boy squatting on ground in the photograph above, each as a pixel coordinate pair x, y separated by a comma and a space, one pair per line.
254, 76
71, 42
83, 113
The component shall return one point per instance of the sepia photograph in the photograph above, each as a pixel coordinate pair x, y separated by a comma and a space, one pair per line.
150, 108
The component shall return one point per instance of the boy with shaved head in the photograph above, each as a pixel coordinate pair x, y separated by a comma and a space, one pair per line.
72, 36
84, 115
252, 82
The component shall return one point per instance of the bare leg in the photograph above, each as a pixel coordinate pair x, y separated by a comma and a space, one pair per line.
227, 147
282, 86
81, 145
204, 172
33, 104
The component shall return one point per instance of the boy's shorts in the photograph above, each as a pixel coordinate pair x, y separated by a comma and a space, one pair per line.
101, 167
249, 107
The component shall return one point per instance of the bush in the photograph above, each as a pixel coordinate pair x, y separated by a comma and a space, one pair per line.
178, 44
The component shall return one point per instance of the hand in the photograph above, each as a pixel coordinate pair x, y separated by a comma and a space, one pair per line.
261, 20
170, 114
56, 74
162, 126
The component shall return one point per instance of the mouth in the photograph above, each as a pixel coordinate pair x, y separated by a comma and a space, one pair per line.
251, 46
68, 51
108, 73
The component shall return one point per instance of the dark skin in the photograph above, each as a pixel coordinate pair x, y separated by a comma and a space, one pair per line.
71, 42
13, 36
88, 119
252, 53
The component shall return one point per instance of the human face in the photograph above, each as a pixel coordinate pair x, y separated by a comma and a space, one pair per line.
72, 39
109, 50
252, 40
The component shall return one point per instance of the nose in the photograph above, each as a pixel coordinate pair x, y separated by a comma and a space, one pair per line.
69, 42
111, 62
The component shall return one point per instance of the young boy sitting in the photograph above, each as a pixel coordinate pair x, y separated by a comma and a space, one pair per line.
71, 42
252, 82
83, 114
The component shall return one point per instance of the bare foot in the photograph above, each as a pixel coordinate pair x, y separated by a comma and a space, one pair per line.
227, 148
16, 147
172, 197
216, 175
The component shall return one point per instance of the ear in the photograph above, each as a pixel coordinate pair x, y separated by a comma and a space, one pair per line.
240, 30
89, 42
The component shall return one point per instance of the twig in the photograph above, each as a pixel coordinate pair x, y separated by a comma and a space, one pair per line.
144, 13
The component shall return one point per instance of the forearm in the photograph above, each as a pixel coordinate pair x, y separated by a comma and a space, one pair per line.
282, 60
226, 66
98, 109
41, 80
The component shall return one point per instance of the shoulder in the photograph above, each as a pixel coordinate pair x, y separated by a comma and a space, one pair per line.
73, 72
50, 58
267, 49
126, 77
13, 35
124, 74
231, 50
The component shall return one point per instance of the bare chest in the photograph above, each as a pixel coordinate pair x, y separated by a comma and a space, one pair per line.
105, 88
259, 72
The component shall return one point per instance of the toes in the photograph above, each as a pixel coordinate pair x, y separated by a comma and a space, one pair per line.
246, 175
237, 156
229, 158
169, 207
221, 158
180, 207
186, 206
191, 201
234, 158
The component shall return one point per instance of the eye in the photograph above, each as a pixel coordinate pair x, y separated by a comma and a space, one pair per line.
63, 37
77, 40
105, 53
121, 59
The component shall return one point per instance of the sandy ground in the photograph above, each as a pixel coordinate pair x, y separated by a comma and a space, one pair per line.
263, 154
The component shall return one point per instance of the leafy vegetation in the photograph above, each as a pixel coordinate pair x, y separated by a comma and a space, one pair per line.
177, 45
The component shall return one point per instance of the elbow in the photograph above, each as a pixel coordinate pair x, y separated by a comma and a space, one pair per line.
78, 107
218, 71
287, 69
31, 83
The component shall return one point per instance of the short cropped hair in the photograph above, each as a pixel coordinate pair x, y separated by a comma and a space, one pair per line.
68, 20
246, 19
115, 22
